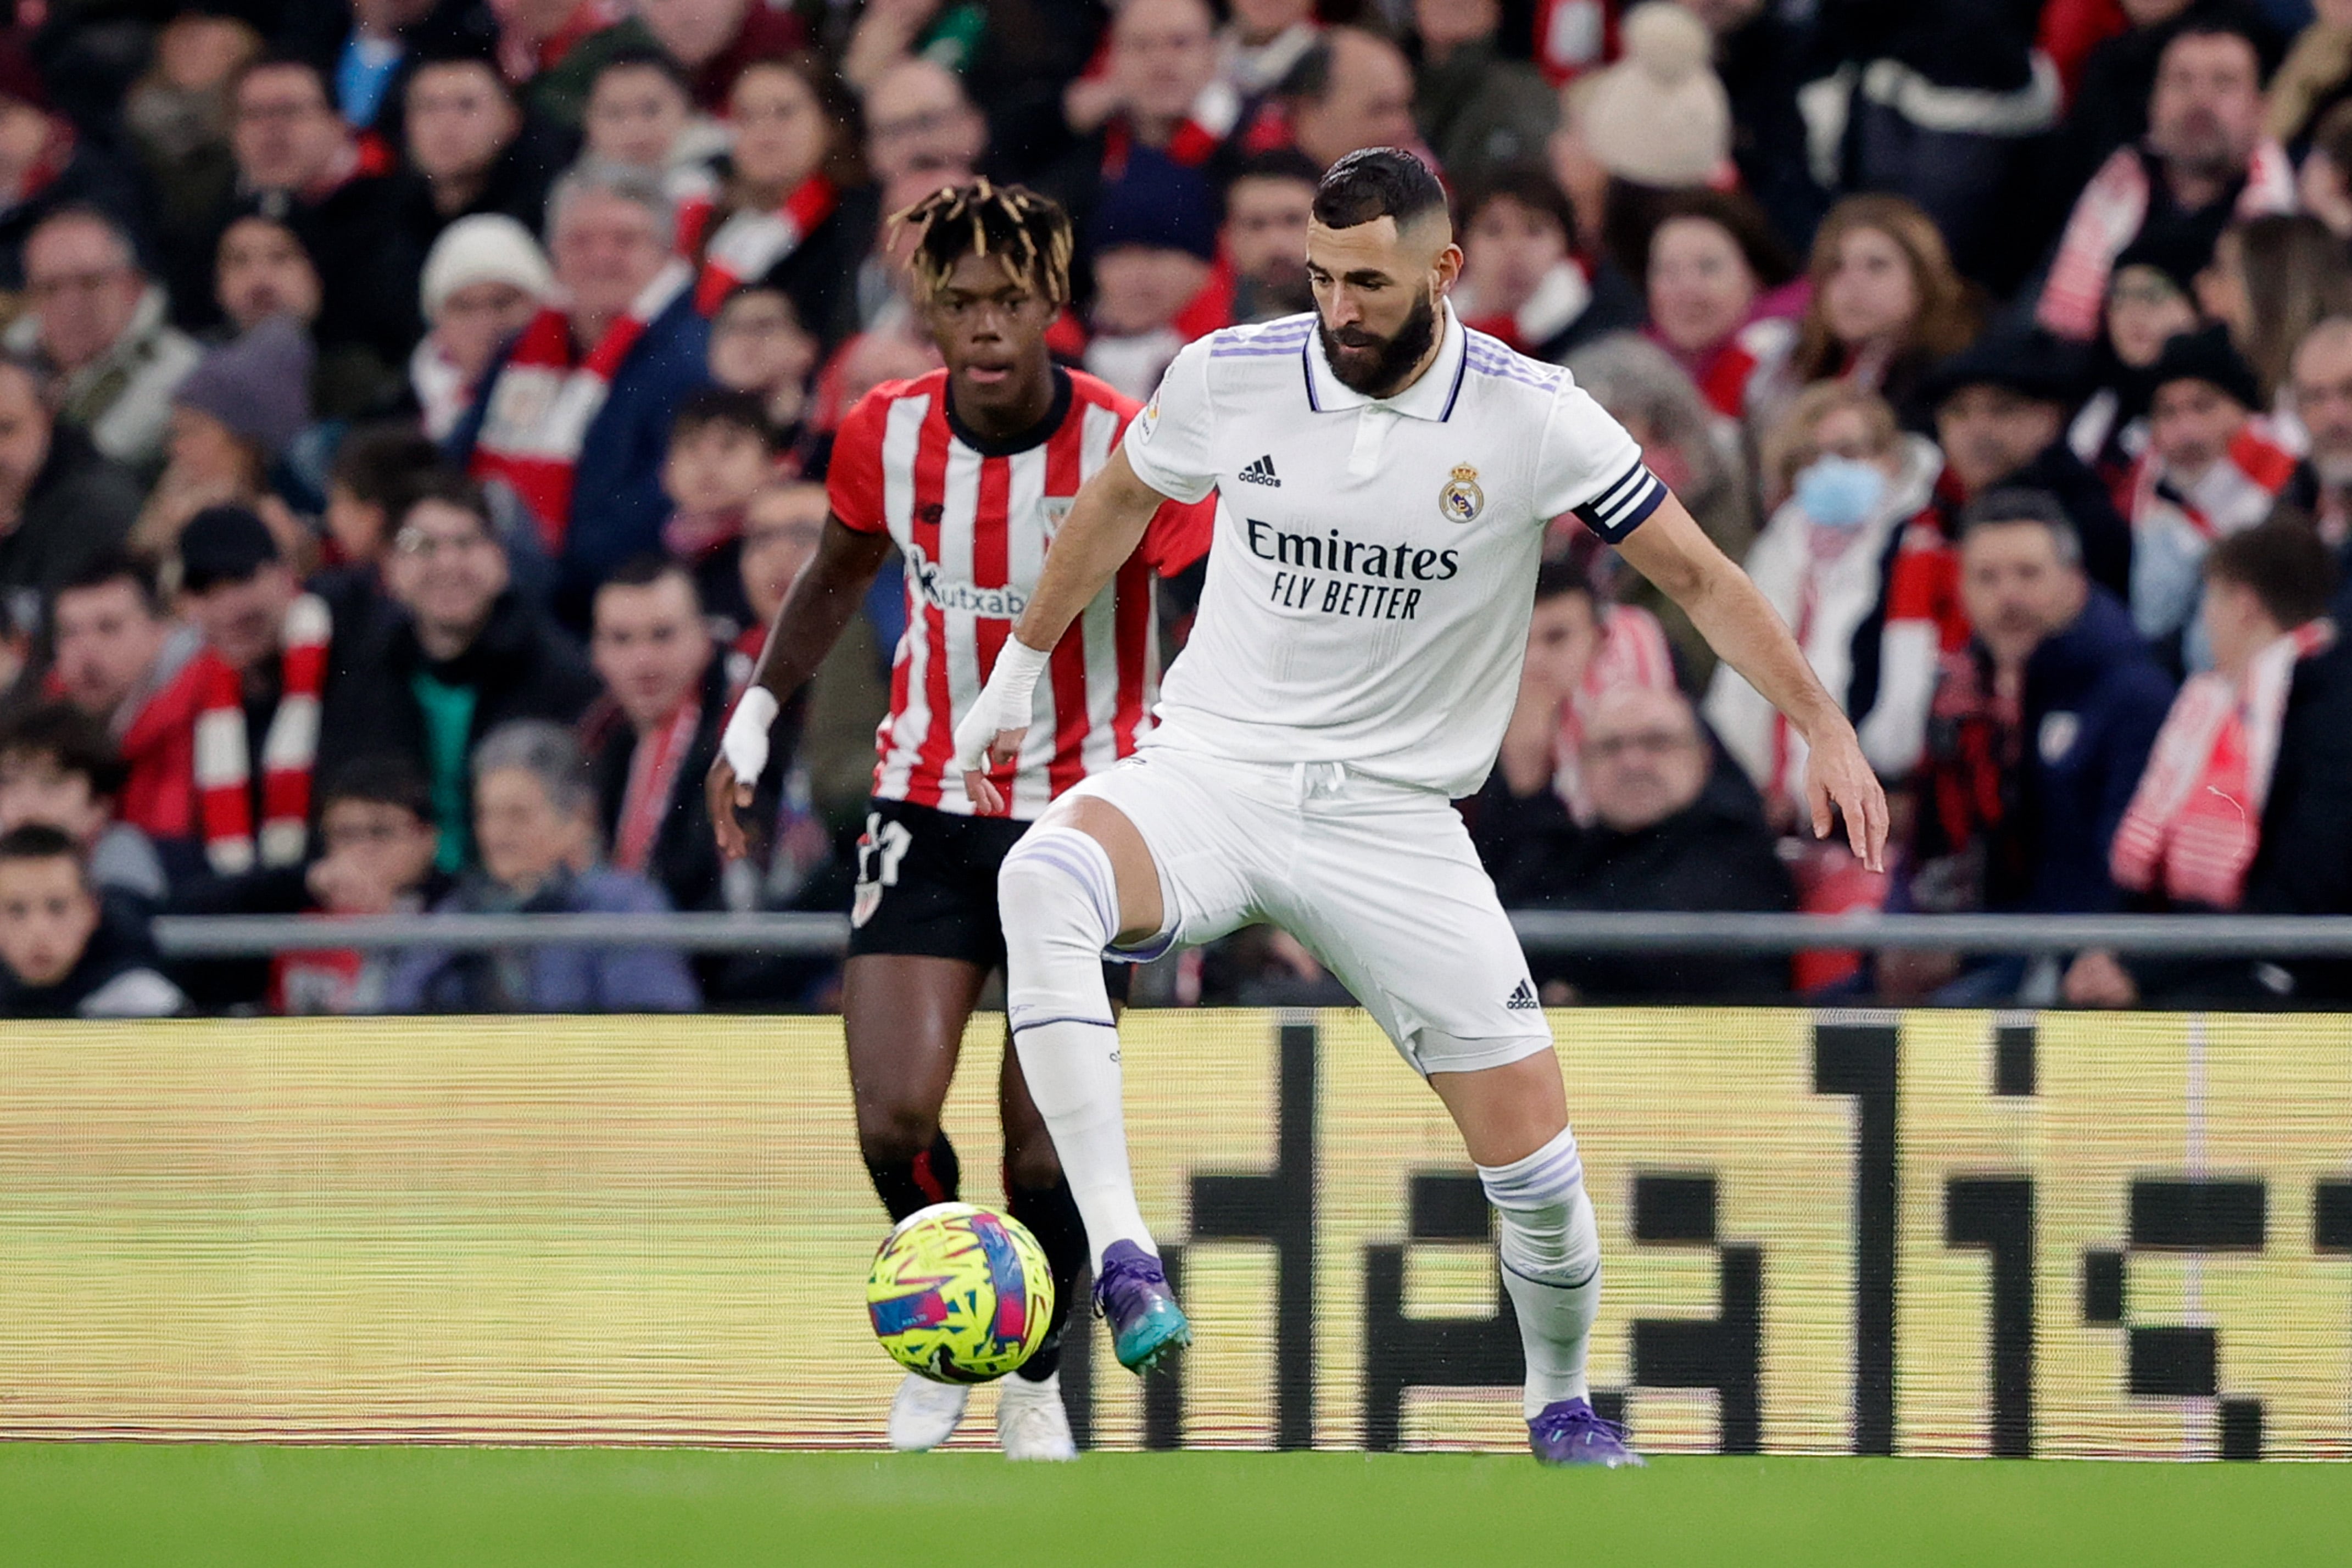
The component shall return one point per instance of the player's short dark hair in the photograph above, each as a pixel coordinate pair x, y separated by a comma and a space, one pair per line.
76, 742
643, 58
451, 488
1029, 234
2283, 561
379, 464
647, 568
1557, 579
1530, 186
723, 406
1377, 183
112, 566
2015, 504
40, 842
387, 779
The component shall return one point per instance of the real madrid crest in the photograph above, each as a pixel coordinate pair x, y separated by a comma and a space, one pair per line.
1462, 500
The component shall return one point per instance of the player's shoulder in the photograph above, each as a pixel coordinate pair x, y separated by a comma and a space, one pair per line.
1494, 367
1260, 340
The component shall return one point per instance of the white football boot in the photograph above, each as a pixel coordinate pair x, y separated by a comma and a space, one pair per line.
1031, 1422
923, 1414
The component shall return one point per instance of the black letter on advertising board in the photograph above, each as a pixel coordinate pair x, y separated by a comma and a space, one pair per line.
1859, 1059
1401, 1352
1724, 1353
1995, 1213
1278, 1206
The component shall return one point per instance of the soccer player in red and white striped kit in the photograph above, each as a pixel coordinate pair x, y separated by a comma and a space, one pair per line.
968, 470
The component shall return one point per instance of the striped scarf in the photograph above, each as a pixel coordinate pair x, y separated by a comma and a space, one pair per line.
2110, 213
225, 756
544, 400
748, 243
2195, 821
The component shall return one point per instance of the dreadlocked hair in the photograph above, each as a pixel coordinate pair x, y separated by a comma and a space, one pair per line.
1029, 234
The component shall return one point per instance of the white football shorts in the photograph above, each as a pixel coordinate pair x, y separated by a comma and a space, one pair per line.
1377, 880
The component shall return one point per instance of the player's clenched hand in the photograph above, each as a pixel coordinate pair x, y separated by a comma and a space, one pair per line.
1836, 774
742, 757
989, 734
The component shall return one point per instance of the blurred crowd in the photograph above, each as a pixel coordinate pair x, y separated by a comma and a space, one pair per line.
413, 412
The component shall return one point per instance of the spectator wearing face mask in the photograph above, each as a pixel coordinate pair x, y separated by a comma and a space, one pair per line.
1854, 481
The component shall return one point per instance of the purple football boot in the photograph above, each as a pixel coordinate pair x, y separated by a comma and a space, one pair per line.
1131, 1294
1567, 1432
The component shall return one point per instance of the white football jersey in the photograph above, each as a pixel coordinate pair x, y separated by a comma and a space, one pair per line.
1374, 562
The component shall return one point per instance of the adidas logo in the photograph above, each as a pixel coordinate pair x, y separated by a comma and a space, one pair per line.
1523, 999
1261, 473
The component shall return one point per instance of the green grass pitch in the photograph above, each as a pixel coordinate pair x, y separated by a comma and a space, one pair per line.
195, 1506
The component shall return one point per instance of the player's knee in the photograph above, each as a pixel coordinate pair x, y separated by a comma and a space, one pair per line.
1054, 888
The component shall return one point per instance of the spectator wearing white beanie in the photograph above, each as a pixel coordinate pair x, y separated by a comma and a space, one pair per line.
1656, 121
483, 281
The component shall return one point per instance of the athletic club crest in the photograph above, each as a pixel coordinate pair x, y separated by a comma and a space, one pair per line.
1462, 500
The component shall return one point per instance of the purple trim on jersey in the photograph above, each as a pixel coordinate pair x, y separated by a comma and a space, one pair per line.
1149, 952
1274, 338
1307, 367
1504, 365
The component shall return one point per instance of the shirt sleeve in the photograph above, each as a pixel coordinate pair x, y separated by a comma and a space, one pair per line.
1587, 465
853, 480
1168, 443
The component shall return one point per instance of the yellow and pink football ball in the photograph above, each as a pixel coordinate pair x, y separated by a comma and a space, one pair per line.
960, 1294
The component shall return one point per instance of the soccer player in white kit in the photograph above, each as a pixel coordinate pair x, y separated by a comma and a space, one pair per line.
1386, 477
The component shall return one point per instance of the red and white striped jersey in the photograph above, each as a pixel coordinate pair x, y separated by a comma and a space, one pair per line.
973, 518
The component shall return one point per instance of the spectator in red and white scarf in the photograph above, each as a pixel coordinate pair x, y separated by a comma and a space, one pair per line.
2203, 162
261, 681
2000, 408
777, 221
2212, 467
575, 419
1715, 280
484, 280
1153, 123
653, 738
2200, 816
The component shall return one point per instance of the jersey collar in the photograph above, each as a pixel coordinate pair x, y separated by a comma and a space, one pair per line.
1431, 397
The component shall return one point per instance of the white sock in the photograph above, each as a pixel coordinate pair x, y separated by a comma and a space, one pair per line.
1060, 907
1550, 1248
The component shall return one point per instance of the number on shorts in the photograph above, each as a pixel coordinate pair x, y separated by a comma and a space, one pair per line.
884, 845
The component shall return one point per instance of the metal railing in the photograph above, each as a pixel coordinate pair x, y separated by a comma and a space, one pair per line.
1541, 931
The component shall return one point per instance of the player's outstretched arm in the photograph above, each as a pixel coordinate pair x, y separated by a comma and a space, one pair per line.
816, 607
1106, 523
1740, 623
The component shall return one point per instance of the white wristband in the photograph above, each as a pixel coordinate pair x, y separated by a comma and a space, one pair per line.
745, 744
1004, 702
